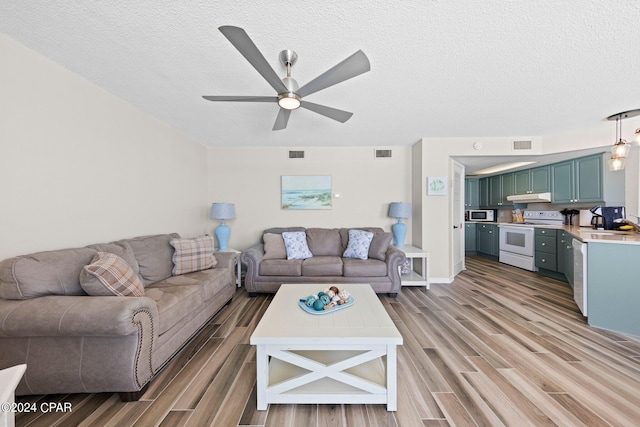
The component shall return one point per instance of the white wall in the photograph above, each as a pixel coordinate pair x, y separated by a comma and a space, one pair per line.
80, 166
250, 178
436, 210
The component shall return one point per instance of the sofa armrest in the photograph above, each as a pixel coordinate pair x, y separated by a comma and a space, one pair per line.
252, 258
394, 259
77, 316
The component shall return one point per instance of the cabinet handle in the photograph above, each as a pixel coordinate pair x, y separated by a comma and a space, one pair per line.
543, 260
544, 244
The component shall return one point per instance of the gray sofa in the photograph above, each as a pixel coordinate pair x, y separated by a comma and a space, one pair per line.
268, 268
75, 343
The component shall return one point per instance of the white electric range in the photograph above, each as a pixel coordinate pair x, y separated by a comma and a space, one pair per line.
517, 244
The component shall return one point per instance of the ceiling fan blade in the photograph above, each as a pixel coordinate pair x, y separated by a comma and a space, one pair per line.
332, 113
242, 98
282, 119
240, 39
354, 65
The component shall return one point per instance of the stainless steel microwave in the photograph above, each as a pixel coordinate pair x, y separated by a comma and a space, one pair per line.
480, 215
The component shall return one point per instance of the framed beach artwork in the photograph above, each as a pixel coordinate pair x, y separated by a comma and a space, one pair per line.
306, 192
437, 186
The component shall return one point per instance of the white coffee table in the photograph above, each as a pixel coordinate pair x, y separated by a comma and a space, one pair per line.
348, 356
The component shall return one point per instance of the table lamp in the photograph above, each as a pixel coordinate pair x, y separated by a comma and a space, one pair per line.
223, 211
399, 210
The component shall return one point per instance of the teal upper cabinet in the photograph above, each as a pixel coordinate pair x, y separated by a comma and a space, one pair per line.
578, 180
541, 179
471, 194
563, 182
484, 192
536, 180
500, 186
589, 179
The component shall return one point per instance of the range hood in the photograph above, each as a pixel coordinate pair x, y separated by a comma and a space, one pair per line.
530, 198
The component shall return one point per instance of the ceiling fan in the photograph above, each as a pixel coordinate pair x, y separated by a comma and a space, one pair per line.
289, 94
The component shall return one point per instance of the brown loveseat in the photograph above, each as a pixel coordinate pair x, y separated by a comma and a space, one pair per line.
268, 266
75, 343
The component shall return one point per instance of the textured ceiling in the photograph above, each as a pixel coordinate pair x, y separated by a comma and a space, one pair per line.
439, 68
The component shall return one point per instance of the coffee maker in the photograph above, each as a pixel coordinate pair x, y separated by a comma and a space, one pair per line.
604, 216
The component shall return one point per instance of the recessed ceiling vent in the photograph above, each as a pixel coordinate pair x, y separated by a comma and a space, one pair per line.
383, 154
522, 145
296, 154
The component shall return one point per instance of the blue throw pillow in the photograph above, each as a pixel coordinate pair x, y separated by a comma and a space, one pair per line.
295, 242
358, 246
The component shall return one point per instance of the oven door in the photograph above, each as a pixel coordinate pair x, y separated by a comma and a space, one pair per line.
517, 239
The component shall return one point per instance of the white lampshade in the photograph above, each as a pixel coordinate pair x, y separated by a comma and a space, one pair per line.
223, 210
399, 210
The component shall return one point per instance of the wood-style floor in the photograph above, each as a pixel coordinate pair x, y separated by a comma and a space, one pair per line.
498, 346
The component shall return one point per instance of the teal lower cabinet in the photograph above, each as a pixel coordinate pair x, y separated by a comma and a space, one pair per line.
470, 244
487, 240
564, 254
613, 290
547, 259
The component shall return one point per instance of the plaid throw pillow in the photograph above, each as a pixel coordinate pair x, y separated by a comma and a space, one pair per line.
109, 275
192, 255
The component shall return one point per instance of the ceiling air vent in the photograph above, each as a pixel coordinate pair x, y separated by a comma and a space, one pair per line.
522, 145
383, 154
296, 154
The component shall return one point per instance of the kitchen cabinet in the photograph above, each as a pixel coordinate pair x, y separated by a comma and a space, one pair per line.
500, 186
488, 239
470, 237
565, 255
535, 180
484, 192
546, 249
471, 194
586, 180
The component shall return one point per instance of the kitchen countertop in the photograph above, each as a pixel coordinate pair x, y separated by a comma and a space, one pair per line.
588, 234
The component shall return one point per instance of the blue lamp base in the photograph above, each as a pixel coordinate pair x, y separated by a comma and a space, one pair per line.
223, 232
399, 233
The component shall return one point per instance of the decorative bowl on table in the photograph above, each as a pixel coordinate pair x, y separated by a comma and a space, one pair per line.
326, 301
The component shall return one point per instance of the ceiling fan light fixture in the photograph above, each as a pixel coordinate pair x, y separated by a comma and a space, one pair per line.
289, 101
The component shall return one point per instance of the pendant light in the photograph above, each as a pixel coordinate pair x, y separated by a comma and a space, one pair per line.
620, 149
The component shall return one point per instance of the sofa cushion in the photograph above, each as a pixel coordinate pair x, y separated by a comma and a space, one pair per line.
379, 245
322, 266
324, 241
281, 267
295, 242
154, 255
120, 248
209, 280
174, 301
358, 246
192, 255
108, 275
44, 273
364, 267
274, 246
